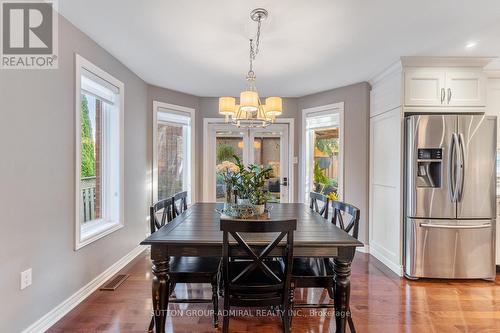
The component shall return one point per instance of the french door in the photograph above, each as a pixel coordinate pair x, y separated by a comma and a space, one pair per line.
267, 147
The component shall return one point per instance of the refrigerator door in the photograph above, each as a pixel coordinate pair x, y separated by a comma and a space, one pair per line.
429, 162
450, 249
477, 188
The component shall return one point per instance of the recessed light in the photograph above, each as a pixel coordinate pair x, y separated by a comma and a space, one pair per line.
470, 45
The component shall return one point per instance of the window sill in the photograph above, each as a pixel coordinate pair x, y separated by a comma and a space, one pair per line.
94, 231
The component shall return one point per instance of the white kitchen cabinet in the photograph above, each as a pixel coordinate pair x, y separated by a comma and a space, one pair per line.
465, 87
493, 105
445, 87
424, 87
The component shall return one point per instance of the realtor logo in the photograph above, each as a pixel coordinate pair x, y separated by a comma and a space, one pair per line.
29, 34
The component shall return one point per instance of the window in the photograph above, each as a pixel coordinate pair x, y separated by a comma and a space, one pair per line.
173, 155
323, 152
99, 153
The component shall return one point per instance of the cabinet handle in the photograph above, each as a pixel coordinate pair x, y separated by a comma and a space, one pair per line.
449, 95
442, 95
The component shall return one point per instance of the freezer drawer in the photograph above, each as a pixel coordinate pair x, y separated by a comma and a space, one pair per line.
450, 248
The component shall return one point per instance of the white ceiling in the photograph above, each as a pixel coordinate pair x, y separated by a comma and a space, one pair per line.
201, 47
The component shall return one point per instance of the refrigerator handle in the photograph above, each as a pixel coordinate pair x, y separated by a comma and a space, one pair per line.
461, 167
452, 160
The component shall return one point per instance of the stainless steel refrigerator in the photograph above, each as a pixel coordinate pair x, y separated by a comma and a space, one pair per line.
450, 199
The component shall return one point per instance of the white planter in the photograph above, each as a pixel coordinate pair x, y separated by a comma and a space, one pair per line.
260, 209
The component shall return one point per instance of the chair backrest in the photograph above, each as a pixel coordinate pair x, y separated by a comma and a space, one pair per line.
323, 209
166, 215
235, 228
179, 203
343, 210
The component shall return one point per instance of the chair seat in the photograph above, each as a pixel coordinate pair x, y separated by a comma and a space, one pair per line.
312, 267
190, 265
256, 281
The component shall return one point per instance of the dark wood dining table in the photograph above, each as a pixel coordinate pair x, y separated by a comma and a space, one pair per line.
196, 233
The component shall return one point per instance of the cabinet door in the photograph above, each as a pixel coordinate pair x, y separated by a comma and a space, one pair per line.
465, 87
493, 109
424, 87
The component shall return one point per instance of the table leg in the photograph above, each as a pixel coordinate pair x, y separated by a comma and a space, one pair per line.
342, 273
160, 287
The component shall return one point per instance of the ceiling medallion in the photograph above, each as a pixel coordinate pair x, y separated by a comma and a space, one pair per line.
251, 112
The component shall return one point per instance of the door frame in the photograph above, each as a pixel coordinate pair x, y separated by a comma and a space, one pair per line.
338, 107
154, 168
206, 158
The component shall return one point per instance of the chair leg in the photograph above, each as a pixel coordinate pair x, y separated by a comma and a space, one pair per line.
215, 301
151, 325
291, 302
225, 315
350, 322
330, 292
172, 287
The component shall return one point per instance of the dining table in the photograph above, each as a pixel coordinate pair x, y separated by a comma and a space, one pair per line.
196, 233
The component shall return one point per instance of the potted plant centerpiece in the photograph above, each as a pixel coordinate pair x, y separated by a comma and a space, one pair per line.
250, 185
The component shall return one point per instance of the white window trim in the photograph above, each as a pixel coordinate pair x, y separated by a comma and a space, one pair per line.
88, 234
207, 159
338, 107
156, 108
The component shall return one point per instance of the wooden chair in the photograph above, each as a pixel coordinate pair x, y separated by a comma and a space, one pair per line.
186, 269
259, 281
315, 197
318, 272
179, 204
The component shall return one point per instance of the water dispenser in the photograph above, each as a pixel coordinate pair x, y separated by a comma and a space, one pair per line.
429, 167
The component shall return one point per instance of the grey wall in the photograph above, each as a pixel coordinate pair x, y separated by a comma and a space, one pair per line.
356, 100
37, 182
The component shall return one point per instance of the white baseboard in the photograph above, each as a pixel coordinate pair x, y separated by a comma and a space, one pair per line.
364, 249
396, 268
49, 319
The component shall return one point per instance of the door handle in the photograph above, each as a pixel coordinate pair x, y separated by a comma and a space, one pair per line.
443, 93
449, 95
446, 226
285, 181
452, 162
461, 167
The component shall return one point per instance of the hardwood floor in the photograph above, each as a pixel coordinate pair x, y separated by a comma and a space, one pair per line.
380, 302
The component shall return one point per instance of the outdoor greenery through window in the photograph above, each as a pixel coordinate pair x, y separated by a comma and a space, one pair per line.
323, 168
91, 158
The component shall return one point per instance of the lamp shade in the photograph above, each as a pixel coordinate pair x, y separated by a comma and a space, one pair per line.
227, 106
249, 101
274, 106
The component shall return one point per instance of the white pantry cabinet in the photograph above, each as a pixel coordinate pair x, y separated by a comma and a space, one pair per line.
411, 86
445, 87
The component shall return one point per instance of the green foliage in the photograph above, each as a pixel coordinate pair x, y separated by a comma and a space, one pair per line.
319, 174
327, 146
87, 143
251, 181
225, 153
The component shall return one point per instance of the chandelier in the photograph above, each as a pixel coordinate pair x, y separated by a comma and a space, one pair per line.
251, 112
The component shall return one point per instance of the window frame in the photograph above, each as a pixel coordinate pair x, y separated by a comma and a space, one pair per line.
96, 229
177, 109
321, 111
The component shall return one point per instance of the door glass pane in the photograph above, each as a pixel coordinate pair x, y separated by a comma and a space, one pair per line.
267, 150
326, 158
91, 158
228, 144
323, 167
171, 159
